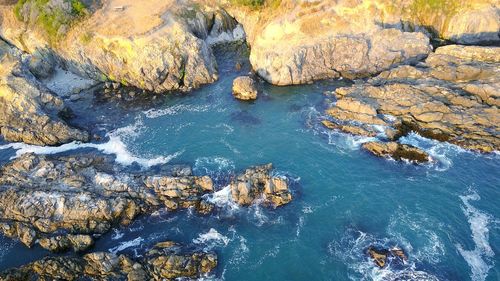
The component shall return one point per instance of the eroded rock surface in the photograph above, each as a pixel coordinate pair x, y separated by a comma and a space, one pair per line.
257, 183
157, 46
29, 112
453, 96
66, 202
166, 261
397, 151
295, 42
244, 88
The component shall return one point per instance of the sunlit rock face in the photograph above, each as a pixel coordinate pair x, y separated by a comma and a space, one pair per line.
124, 41
296, 43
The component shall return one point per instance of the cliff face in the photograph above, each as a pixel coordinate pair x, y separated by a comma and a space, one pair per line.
157, 46
297, 42
29, 112
165, 45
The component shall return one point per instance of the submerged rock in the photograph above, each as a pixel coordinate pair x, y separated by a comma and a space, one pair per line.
29, 112
65, 202
160, 263
452, 97
256, 183
244, 88
397, 151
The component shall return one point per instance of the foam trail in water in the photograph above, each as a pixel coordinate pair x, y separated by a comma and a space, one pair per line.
480, 259
114, 145
212, 239
125, 245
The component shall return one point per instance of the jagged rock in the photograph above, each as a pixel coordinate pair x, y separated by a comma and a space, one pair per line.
181, 192
165, 261
244, 88
298, 42
361, 131
29, 112
63, 201
79, 194
397, 151
380, 256
62, 243
158, 264
256, 183
453, 97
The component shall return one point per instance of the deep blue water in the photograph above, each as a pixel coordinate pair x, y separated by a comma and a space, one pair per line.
445, 215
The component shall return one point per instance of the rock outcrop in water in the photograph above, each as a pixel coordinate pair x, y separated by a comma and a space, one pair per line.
158, 46
166, 261
66, 202
381, 256
397, 151
244, 88
256, 183
29, 112
452, 97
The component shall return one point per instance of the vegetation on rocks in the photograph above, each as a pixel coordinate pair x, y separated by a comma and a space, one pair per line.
54, 18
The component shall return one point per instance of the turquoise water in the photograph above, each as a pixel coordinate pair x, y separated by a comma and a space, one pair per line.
445, 215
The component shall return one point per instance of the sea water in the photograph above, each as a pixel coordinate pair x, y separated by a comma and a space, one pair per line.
445, 215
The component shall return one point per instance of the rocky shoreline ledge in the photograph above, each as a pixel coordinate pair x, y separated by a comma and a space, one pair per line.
165, 261
453, 96
67, 202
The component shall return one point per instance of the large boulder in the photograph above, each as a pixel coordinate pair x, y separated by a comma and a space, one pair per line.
244, 88
453, 97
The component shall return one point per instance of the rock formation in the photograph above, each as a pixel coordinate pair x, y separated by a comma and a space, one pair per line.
296, 42
380, 256
165, 261
397, 151
244, 88
256, 183
452, 97
29, 112
66, 202
158, 46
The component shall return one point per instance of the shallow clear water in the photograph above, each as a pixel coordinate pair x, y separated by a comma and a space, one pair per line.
445, 215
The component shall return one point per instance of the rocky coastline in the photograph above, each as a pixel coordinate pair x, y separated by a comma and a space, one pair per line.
401, 84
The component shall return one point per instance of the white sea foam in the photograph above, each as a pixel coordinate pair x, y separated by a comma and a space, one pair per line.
354, 244
114, 146
175, 109
440, 152
117, 234
481, 258
128, 244
212, 239
223, 199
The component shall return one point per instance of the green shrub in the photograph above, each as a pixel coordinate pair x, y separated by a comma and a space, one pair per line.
50, 19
